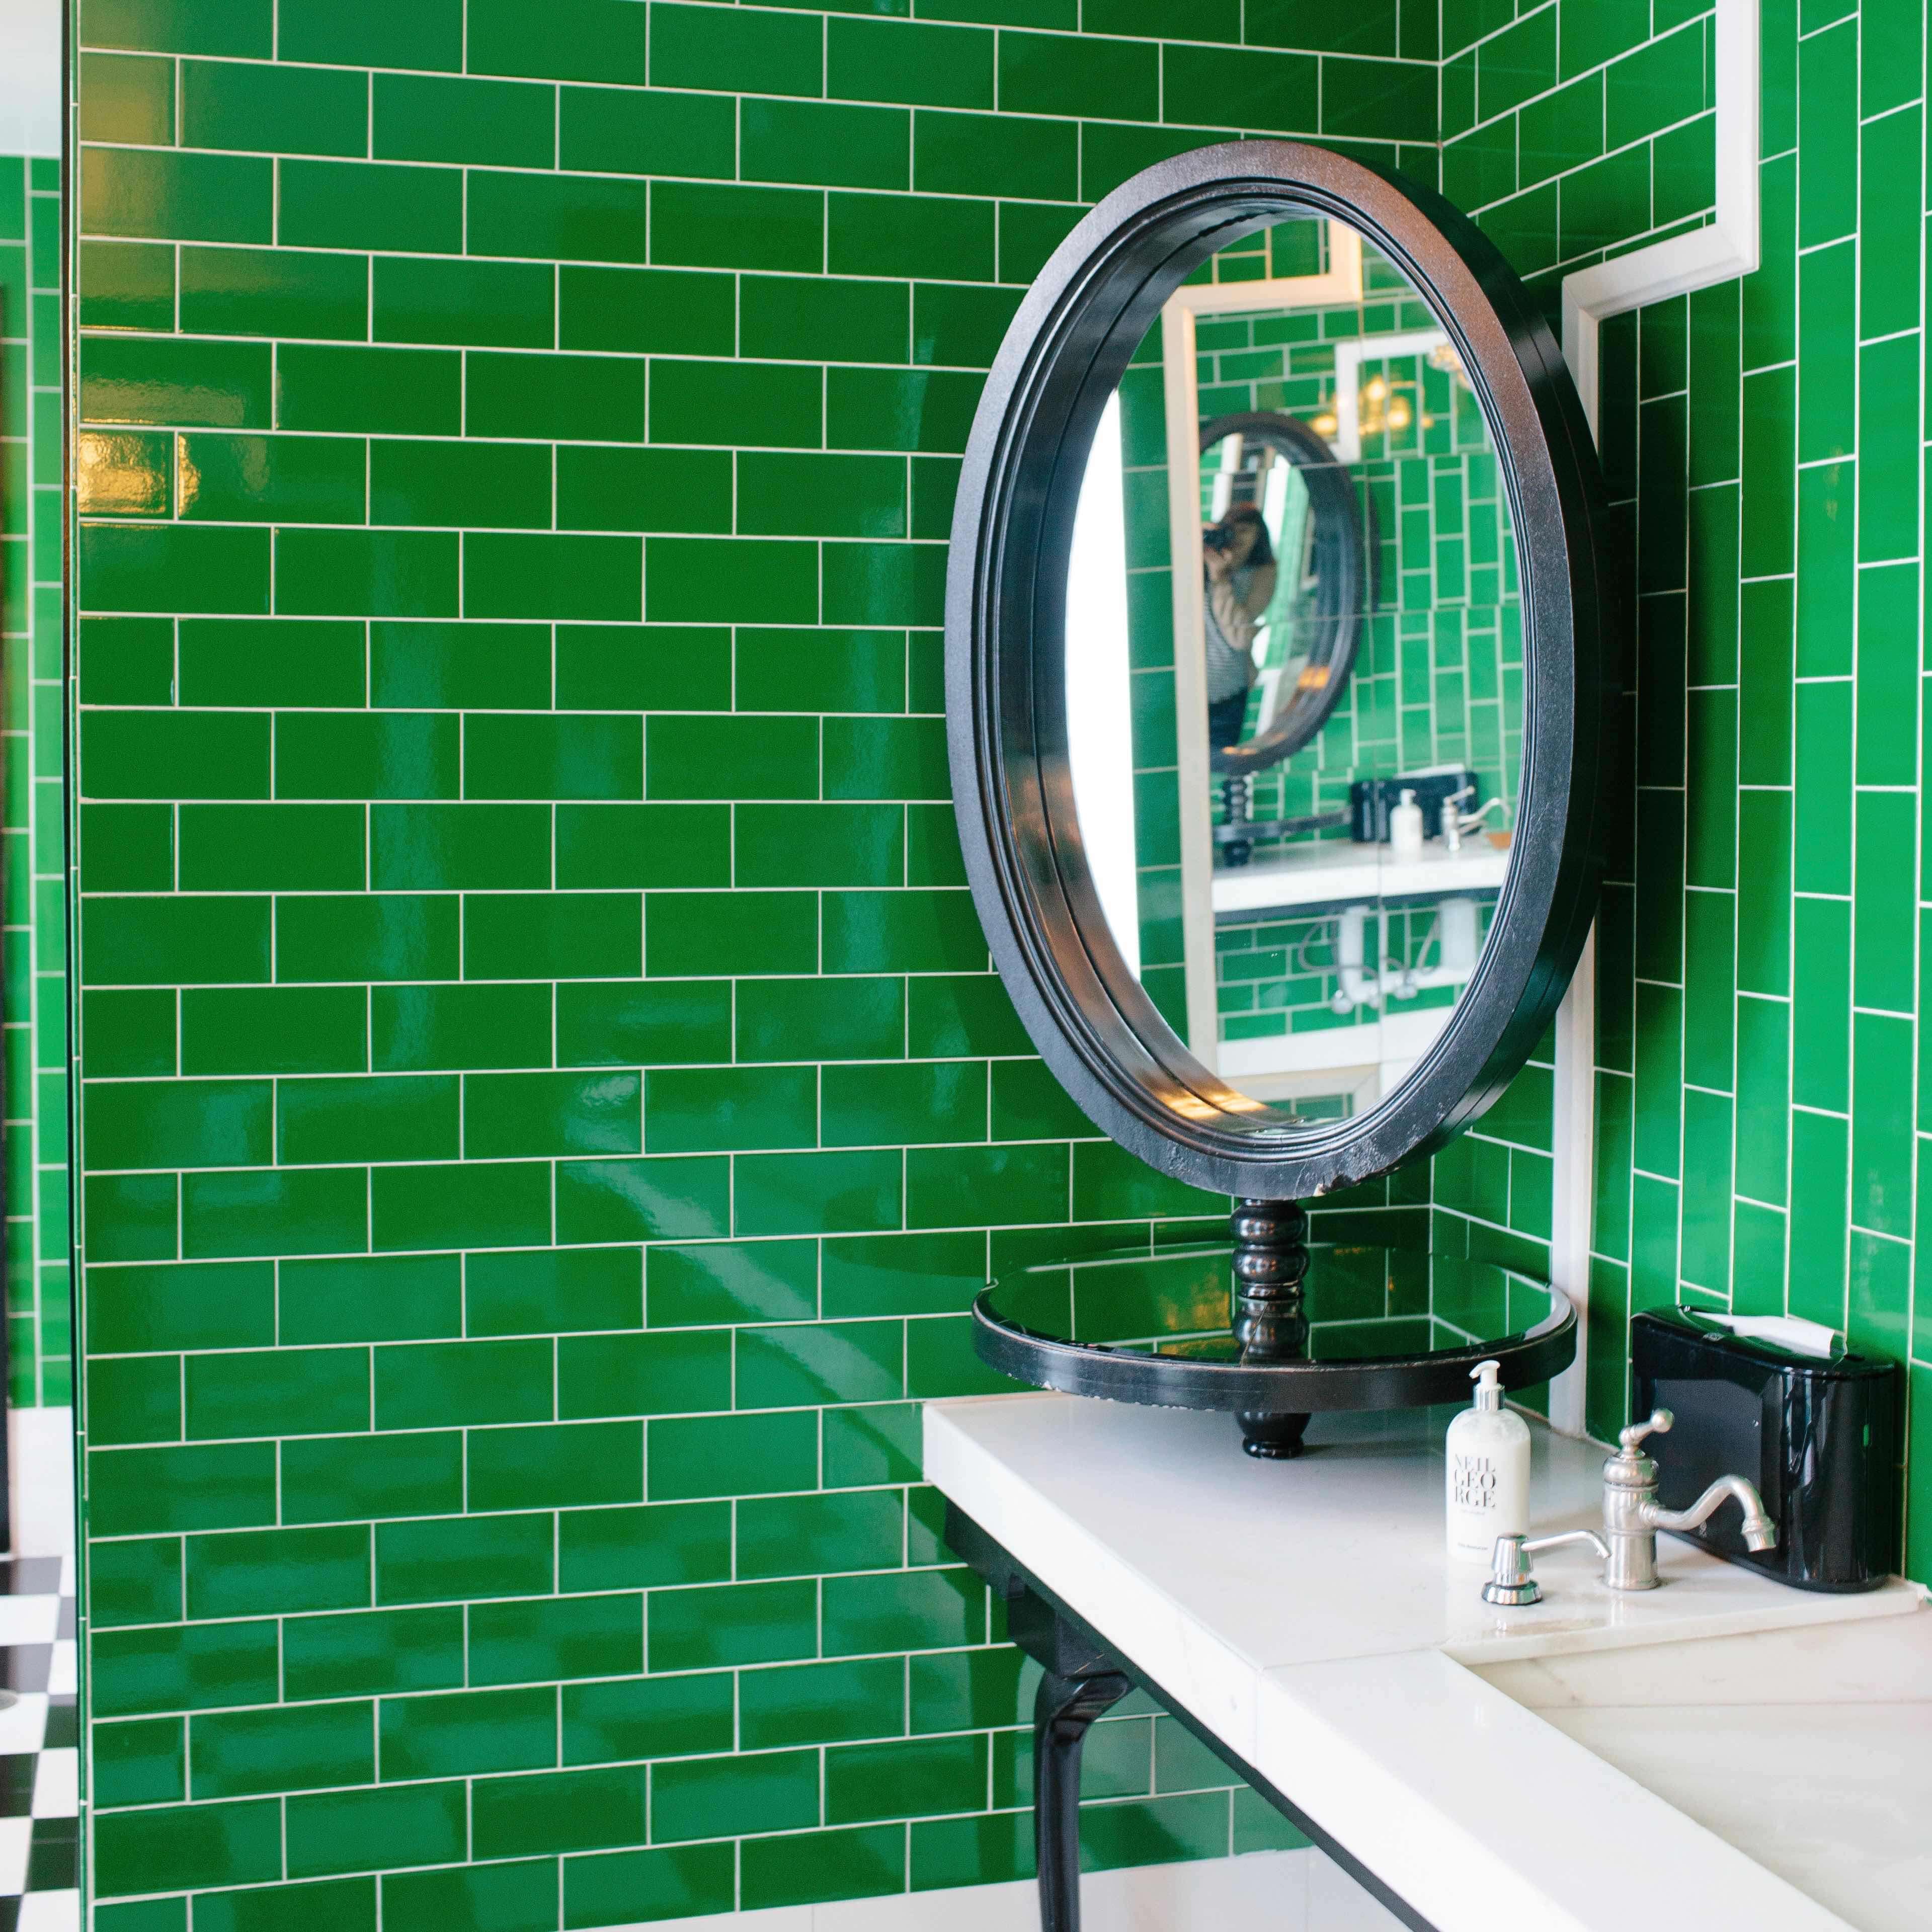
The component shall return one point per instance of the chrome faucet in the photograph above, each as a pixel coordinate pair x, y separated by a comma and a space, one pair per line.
1632, 1517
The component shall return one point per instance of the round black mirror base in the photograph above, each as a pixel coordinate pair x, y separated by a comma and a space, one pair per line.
1274, 1367
1270, 1263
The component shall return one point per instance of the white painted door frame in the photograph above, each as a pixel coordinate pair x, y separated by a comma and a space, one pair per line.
1721, 251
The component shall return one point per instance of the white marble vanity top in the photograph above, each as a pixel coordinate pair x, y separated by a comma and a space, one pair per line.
1308, 1614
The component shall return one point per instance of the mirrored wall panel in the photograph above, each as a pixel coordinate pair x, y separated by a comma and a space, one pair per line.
1294, 672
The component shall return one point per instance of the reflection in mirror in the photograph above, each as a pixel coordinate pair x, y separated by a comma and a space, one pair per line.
1293, 663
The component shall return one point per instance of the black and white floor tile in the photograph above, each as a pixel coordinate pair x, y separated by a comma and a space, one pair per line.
40, 1759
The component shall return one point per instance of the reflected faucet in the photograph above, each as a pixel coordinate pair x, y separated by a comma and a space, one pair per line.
1632, 1517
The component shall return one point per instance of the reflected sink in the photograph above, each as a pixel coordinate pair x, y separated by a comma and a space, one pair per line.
1810, 1750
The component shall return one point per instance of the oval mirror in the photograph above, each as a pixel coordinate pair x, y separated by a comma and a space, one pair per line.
1276, 617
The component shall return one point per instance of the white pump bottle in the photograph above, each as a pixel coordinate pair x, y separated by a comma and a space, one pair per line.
1488, 1457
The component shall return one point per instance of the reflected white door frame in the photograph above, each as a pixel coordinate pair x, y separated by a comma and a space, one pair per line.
1342, 282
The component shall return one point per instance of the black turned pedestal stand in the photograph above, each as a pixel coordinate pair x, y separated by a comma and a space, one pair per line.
1270, 1322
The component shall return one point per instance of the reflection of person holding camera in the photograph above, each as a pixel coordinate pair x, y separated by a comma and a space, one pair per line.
1239, 568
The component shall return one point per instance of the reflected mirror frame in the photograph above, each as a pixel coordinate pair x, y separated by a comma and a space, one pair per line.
1344, 540
1069, 344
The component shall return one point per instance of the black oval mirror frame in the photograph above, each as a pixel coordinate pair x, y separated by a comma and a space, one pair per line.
1067, 348
1345, 581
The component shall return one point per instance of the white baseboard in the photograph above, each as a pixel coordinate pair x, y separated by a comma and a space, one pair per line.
1265, 1892
39, 1479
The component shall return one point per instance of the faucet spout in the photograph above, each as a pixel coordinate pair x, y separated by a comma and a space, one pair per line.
1760, 1532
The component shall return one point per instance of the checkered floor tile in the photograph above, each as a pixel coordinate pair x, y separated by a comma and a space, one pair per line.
39, 1760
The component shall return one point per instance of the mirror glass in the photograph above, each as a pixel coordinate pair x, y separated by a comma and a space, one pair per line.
1293, 665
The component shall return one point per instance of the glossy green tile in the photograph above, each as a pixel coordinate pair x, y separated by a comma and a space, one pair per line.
566, 1811
923, 1609
375, 1299
641, 309
239, 1753
1827, 132
559, 757
761, 53
576, 218
519, 1897
144, 1762
587, 40
459, 666
647, 1717
820, 1865
551, 1637
610, 489
325, 1479
814, 1703
818, 1193
894, 61
367, 205
187, 197
623, 1023
274, 292
138, 1400
456, 1736
657, 1544
140, 941
914, 1778
753, 1792
501, 1204
387, 573
184, 1846
125, 285
237, 663
409, 1825
423, 118
129, 1033
290, 110
858, 1530
498, 304
437, 1383
681, 1878
358, 33
244, 1394
724, 1455
384, 936
128, 98
575, 935
819, 1019
411, 392
470, 1556
630, 1375
620, 130
678, 1197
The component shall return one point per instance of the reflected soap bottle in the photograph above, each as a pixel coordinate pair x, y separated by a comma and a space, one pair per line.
1404, 824
1488, 1458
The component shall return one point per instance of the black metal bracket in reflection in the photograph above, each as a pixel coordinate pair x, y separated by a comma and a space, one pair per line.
1085, 1677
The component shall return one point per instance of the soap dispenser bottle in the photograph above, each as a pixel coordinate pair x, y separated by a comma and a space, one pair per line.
1405, 827
1488, 1457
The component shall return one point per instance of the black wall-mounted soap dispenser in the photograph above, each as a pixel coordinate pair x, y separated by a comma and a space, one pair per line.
1819, 1434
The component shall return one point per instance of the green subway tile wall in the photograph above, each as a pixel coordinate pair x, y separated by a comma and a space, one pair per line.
1760, 1090
34, 998
548, 1109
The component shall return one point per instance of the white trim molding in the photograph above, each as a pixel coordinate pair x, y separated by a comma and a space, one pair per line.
1723, 250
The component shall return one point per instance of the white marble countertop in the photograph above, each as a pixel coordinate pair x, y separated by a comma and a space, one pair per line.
1338, 870
1308, 1614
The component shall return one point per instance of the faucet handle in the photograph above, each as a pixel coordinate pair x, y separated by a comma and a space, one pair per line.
1660, 1420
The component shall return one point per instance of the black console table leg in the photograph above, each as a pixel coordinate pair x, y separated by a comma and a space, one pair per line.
1064, 1709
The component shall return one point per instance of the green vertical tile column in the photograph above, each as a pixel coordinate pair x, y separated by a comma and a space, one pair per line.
34, 1000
